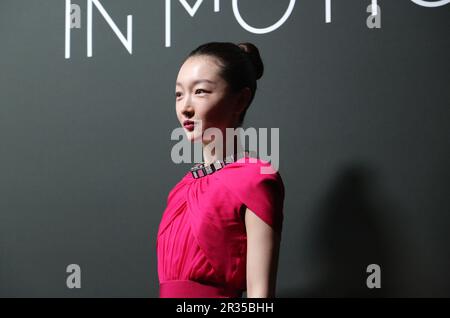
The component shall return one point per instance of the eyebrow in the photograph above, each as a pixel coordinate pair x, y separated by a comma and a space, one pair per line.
198, 81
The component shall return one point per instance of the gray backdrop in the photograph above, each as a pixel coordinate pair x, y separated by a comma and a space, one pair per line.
85, 164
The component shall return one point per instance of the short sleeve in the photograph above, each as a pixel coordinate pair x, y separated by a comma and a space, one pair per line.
261, 192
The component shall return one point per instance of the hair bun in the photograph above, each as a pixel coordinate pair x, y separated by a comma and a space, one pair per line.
253, 54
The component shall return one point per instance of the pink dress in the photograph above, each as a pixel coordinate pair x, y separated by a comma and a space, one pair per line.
201, 243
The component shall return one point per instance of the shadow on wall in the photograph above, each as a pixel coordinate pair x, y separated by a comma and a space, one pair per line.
349, 235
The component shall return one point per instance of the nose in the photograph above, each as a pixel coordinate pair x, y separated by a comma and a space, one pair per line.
187, 110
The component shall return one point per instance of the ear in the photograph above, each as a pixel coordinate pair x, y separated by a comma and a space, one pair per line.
243, 98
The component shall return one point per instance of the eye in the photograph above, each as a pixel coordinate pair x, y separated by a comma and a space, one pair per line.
177, 94
199, 91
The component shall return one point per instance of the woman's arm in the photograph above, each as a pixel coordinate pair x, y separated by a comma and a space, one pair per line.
263, 245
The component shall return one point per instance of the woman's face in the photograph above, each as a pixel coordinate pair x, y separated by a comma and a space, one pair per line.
203, 96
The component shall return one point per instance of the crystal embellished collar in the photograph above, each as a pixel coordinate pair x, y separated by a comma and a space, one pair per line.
200, 170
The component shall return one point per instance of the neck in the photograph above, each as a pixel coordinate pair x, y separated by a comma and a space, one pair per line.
212, 153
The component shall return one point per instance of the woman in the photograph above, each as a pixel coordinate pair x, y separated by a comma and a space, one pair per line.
220, 233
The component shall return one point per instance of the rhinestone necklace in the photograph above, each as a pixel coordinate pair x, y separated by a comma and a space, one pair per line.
201, 170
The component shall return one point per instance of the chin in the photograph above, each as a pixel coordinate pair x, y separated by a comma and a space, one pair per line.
192, 136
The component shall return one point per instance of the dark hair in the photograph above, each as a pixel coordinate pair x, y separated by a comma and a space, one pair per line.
241, 65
